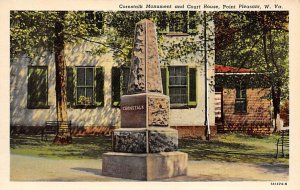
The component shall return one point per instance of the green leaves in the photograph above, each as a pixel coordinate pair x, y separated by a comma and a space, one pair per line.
33, 31
255, 40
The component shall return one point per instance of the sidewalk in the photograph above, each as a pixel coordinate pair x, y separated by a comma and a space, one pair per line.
26, 168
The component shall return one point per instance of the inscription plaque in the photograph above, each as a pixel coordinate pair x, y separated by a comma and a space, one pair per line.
133, 111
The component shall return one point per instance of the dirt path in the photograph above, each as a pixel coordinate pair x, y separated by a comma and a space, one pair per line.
26, 168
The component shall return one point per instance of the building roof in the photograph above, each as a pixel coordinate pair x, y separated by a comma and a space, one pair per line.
229, 69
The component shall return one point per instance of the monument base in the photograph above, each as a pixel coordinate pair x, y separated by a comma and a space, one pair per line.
138, 140
144, 166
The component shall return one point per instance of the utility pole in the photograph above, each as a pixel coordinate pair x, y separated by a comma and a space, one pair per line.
206, 81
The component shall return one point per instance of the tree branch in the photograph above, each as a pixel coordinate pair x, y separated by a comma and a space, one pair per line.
248, 54
89, 40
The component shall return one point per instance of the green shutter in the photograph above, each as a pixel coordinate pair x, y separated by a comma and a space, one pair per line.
165, 79
37, 87
99, 86
124, 80
192, 87
115, 86
30, 87
71, 85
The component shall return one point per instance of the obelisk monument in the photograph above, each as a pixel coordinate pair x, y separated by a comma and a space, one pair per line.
145, 147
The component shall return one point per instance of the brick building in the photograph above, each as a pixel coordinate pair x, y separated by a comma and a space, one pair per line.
242, 100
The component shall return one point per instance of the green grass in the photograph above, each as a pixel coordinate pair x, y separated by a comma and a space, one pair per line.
234, 148
225, 147
81, 148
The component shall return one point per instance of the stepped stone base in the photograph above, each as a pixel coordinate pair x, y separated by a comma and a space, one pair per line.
144, 166
143, 140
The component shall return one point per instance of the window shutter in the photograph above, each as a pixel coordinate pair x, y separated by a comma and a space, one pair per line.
125, 79
37, 87
115, 86
71, 84
31, 88
99, 86
164, 77
192, 85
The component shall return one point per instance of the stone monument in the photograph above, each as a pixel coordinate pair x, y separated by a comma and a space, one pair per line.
145, 147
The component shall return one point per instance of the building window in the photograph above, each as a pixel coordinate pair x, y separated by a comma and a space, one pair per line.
240, 99
95, 19
178, 22
85, 87
37, 87
180, 83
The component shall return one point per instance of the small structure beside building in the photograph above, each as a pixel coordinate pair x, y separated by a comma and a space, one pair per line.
242, 101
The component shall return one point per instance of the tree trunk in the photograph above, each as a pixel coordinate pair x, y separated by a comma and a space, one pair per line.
276, 90
276, 93
276, 81
63, 136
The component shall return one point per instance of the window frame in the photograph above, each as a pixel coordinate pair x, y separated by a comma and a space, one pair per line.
85, 86
240, 98
98, 91
184, 32
92, 17
176, 25
186, 86
29, 105
190, 102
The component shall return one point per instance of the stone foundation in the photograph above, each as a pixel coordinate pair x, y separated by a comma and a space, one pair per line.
144, 166
194, 132
145, 140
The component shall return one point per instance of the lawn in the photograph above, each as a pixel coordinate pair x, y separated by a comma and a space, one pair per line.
234, 148
225, 147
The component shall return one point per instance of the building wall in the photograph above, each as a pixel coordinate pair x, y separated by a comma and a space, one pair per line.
195, 116
19, 113
107, 116
75, 56
258, 116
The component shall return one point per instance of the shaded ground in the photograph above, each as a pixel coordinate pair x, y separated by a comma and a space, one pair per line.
28, 168
226, 147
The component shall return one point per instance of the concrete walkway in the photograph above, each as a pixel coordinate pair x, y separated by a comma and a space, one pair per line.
27, 168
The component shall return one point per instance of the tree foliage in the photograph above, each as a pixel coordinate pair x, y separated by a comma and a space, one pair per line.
240, 42
33, 32
258, 41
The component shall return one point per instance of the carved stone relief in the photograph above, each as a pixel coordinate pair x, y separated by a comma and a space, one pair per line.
145, 71
158, 111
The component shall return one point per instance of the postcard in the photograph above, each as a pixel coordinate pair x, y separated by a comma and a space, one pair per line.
155, 94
